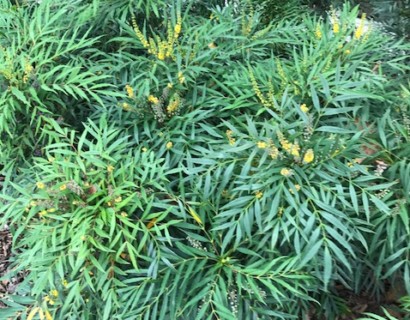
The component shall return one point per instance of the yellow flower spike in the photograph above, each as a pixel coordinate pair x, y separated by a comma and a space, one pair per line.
258, 92
309, 156
54, 293
118, 199
173, 105
64, 282
63, 187
161, 52
178, 26
294, 150
177, 29
169, 145
360, 29
144, 149
336, 28
304, 108
286, 172
152, 47
318, 32
153, 99
169, 85
262, 144
335, 22
138, 33
33, 203
348, 51
181, 77
230, 138
273, 152
51, 210
110, 168
130, 91
40, 185
83, 238
124, 214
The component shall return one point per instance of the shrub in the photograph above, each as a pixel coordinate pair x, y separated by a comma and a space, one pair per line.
231, 167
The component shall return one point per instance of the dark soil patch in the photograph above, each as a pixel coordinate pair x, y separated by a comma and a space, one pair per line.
6, 286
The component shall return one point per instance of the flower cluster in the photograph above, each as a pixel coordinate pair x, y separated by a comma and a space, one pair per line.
265, 102
174, 104
153, 99
231, 140
360, 29
258, 194
309, 156
196, 244
318, 32
304, 108
28, 69
51, 297
291, 148
162, 49
130, 91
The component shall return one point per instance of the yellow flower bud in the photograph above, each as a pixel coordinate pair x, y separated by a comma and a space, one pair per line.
309, 156
130, 91
286, 172
258, 194
153, 99
304, 108
40, 185
261, 144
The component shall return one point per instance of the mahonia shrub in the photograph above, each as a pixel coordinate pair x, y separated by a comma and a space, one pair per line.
235, 166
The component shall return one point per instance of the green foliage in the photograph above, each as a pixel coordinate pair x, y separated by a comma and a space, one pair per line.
192, 161
51, 69
372, 316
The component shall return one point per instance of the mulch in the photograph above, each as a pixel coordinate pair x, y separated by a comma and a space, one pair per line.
6, 286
